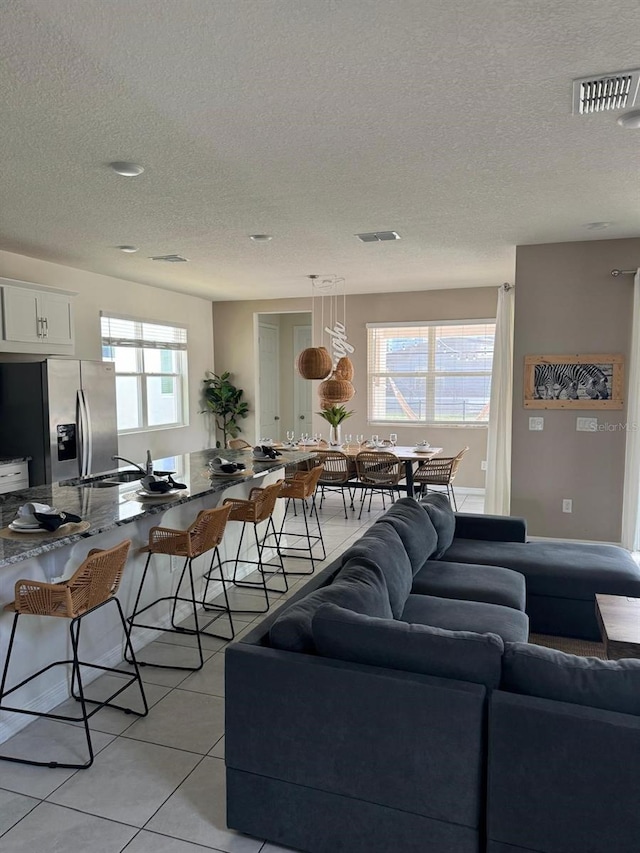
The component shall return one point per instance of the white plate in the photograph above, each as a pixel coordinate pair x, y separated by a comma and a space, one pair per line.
422, 450
29, 529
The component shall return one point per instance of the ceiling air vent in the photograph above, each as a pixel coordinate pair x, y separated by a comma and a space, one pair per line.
615, 91
170, 259
378, 236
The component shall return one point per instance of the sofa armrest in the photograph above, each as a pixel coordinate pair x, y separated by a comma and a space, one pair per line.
495, 528
562, 777
398, 739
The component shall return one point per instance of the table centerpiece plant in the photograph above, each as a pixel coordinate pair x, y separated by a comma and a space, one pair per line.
334, 415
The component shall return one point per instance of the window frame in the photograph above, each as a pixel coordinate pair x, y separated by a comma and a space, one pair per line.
142, 376
430, 374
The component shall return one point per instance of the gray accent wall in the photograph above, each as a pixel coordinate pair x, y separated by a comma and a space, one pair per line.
567, 302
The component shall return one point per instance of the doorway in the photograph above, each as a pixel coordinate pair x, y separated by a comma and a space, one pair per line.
283, 398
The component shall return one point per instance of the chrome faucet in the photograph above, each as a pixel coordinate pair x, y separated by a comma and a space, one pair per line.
135, 464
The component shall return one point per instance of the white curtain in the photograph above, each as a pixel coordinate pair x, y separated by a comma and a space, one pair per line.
498, 483
631, 493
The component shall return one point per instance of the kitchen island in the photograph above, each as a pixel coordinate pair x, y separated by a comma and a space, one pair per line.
114, 512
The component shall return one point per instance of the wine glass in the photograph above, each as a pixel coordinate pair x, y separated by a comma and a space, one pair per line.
290, 436
347, 439
393, 438
360, 439
374, 440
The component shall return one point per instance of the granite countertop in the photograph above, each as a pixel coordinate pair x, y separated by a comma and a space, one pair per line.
107, 508
11, 460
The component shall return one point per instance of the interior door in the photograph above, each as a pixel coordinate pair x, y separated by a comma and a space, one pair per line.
269, 360
302, 388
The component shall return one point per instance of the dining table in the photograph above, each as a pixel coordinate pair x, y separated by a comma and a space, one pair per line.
410, 455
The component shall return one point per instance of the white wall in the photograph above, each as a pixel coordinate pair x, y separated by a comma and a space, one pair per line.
103, 293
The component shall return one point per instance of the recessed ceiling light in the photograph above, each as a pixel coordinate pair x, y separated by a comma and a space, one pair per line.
261, 238
129, 170
597, 226
630, 120
128, 249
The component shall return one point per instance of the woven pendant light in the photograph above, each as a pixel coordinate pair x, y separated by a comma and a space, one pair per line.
314, 363
335, 390
344, 369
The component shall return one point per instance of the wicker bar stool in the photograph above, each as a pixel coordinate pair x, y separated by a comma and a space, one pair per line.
440, 471
93, 584
338, 470
202, 536
378, 470
302, 486
255, 510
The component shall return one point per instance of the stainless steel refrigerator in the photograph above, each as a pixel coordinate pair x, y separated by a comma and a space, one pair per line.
60, 412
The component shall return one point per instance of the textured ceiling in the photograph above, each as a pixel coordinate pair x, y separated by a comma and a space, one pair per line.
310, 120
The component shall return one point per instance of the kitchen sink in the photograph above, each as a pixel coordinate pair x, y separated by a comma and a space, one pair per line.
124, 477
97, 484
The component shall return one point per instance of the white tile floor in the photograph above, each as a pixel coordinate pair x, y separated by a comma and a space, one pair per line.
157, 783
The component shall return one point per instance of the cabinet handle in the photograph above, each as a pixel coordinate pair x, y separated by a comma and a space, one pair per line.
39, 331
45, 324
4, 476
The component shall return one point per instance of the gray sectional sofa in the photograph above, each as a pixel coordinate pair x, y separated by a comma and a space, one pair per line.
395, 703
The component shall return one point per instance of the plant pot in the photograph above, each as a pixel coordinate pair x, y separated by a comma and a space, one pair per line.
335, 435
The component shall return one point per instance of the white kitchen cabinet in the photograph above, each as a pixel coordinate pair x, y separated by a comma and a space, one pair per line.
36, 319
13, 476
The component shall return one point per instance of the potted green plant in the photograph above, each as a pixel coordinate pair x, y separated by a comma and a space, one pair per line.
223, 400
334, 415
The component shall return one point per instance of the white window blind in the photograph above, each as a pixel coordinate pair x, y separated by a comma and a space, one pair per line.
425, 373
125, 332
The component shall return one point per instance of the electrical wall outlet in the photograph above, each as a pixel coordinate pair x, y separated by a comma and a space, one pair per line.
536, 424
567, 505
586, 424
483, 465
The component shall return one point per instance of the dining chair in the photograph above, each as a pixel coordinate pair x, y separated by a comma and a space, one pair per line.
238, 444
439, 471
378, 470
338, 470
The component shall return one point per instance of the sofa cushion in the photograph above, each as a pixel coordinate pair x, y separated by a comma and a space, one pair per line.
443, 519
357, 587
559, 569
551, 674
491, 584
512, 625
343, 634
381, 546
414, 526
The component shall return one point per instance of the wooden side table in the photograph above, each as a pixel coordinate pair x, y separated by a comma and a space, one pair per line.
619, 620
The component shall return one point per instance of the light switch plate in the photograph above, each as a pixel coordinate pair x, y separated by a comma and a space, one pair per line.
536, 423
586, 424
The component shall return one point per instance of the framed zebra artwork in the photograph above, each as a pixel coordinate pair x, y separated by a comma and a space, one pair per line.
573, 381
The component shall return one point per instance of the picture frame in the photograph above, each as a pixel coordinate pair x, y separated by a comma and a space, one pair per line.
593, 381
